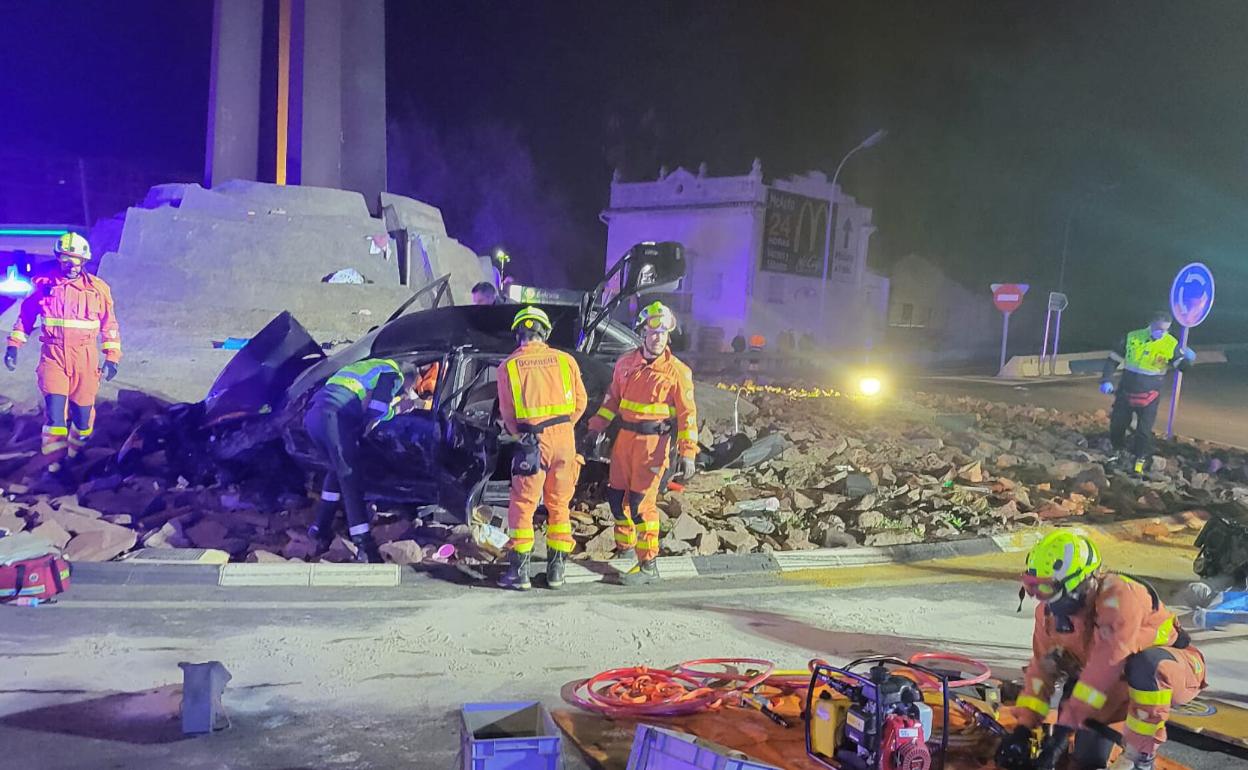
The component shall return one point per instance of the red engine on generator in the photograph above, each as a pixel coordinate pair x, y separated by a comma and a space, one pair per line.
903, 746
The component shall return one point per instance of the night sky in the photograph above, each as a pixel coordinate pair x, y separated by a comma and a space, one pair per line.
1000, 115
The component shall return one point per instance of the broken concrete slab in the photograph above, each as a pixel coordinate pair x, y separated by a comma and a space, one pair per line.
686, 528
52, 533
404, 552
103, 544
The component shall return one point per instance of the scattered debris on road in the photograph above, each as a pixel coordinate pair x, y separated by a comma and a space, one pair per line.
810, 469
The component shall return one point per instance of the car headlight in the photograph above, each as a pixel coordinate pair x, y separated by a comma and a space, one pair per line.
869, 386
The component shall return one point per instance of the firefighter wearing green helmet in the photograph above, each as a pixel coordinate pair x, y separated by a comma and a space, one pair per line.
540, 398
1120, 651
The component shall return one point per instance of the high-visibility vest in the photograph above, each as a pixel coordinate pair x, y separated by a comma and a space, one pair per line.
559, 405
1145, 355
361, 379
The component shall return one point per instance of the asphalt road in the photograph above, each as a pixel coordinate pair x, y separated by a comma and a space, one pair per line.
374, 678
1213, 405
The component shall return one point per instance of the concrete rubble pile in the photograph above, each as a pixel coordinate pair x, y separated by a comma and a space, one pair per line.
935, 469
842, 474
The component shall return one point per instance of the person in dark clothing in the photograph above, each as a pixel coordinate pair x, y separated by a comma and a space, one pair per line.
738, 342
1146, 356
350, 404
787, 341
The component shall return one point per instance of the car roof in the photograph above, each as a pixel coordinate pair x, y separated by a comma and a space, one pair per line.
483, 327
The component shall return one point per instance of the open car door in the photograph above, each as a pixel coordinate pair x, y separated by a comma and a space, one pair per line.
647, 268
469, 452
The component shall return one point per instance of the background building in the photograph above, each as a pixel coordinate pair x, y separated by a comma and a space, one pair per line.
755, 252
932, 317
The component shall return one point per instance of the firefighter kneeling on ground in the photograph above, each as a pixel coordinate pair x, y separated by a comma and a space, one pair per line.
1146, 355
540, 398
652, 394
1120, 652
75, 309
350, 404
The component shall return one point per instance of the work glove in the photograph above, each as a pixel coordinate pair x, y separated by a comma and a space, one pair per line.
1054, 748
1107, 387
1014, 753
110, 370
10, 358
688, 469
1188, 354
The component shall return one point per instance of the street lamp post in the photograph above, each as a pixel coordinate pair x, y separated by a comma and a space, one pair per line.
1085, 197
870, 141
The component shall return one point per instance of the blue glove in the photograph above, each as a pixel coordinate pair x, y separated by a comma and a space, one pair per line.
110, 370
1107, 387
10, 358
1188, 354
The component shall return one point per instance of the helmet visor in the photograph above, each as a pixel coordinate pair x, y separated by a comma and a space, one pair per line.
1040, 588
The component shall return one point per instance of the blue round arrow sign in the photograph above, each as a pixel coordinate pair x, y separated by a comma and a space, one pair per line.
1191, 295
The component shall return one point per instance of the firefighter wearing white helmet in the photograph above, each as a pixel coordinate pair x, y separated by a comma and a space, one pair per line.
651, 394
77, 314
540, 397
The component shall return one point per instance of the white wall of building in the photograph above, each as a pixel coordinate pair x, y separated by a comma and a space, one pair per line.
720, 221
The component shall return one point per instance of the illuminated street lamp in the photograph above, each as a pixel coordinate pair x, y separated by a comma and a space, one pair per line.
501, 257
870, 141
14, 285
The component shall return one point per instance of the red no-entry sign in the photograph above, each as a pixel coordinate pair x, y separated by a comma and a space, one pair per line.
1008, 296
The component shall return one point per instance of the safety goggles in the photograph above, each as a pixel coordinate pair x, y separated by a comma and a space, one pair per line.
67, 258
1043, 589
658, 323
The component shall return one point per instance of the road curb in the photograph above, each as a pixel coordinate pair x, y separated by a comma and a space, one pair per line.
327, 575
330, 575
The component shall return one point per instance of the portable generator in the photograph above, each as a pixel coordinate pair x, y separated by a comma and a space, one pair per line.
876, 721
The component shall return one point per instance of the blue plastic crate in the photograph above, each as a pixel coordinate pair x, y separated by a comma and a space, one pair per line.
510, 736
655, 748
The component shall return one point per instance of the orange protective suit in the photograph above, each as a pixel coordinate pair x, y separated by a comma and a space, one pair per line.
651, 399
74, 312
1132, 659
540, 392
427, 382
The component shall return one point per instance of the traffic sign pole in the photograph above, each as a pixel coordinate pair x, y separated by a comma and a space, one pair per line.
1005, 335
1044, 347
1057, 338
1178, 388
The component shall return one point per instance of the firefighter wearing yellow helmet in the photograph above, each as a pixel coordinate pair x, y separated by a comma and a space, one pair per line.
651, 394
77, 314
1111, 636
540, 397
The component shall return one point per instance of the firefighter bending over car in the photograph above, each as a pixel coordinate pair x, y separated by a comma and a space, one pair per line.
651, 393
540, 397
350, 404
1146, 355
1120, 652
76, 308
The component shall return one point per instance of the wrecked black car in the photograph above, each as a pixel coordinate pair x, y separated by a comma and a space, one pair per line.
450, 451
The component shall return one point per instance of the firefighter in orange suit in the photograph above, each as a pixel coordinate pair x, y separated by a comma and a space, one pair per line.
1122, 654
651, 393
540, 397
76, 308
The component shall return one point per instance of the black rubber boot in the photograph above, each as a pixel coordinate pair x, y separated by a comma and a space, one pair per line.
645, 573
517, 575
322, 538
556, 566
366, 549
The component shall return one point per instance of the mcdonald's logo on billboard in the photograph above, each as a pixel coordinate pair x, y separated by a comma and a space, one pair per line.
795, 238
